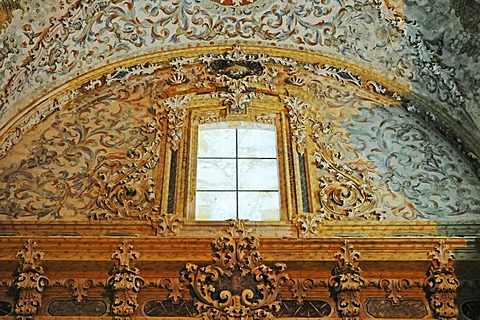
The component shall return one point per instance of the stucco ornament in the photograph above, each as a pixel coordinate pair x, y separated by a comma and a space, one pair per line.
237, 285
347, 282
442, 283
125, 282
30, 282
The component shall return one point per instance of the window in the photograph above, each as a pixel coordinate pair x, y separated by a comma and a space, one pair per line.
237, 172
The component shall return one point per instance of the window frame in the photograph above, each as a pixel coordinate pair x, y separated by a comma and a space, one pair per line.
199, 116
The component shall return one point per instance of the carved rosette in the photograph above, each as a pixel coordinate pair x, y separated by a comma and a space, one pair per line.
237, 285
30, 282
442, 283
125, 282
344, 193
347, 282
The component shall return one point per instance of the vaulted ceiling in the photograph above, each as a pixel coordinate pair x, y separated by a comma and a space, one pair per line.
422, 55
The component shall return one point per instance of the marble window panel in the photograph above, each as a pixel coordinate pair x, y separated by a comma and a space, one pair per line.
259, 206
257, 174
212, 205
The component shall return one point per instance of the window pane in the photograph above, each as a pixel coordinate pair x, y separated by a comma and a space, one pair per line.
215, 205
257, 143
216, 174
259, 206
215, 142
257, 174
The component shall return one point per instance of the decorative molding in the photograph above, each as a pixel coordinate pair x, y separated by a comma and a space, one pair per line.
237, 284
442, 283
347, 282
297, 120
167, 224
307, 224
79, 287
30, 282
176, 112
394, 287
125, 282
233, 73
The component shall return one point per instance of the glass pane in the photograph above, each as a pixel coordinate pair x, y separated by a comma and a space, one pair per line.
257, 143
257, 174
259, 206
216, 174
215, 205
215, 142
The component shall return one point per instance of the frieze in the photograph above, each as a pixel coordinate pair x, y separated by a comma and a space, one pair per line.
405, 309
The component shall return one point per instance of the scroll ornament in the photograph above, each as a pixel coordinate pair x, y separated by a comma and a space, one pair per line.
30, 282
237, 285
125, 282
442, 283
347, 282
345, 193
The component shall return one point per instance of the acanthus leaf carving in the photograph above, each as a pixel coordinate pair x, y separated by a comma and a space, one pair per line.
175, 113
442, 283
297, 120
307, 224
346, 282
30, 282
125, 282
344, 193
167, 224
237, 285
129, 191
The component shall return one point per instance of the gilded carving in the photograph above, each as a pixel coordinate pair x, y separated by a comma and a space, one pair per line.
79, 287
125, 282
346, 282
176, 112
237, 285
307, 224
344, 193
394, 287
297, 120
442, 283
167, 224
30, 282
233, 73
299, 288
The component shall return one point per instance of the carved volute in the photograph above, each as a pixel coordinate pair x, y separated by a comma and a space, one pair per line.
237, 285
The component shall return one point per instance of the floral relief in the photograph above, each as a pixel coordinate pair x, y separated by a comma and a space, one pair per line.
73, 158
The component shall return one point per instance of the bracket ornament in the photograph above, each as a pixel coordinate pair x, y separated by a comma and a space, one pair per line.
125, 282
237, 285
30, 282
442, 283
346, 282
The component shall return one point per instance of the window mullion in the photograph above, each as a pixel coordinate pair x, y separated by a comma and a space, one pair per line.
236, 171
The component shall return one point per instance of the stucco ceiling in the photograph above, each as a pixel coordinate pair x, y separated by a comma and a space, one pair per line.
428, 47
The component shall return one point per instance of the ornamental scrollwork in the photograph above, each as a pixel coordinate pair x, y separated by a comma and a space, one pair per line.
30, 282
125, 282
346, 282
442, 283
167, 224
297, 120
233, 73
345, 193
237, 285
307, 224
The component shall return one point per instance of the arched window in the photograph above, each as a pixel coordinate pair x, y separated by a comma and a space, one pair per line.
237, 172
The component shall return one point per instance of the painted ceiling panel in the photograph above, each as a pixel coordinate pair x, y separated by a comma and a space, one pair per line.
416, 43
